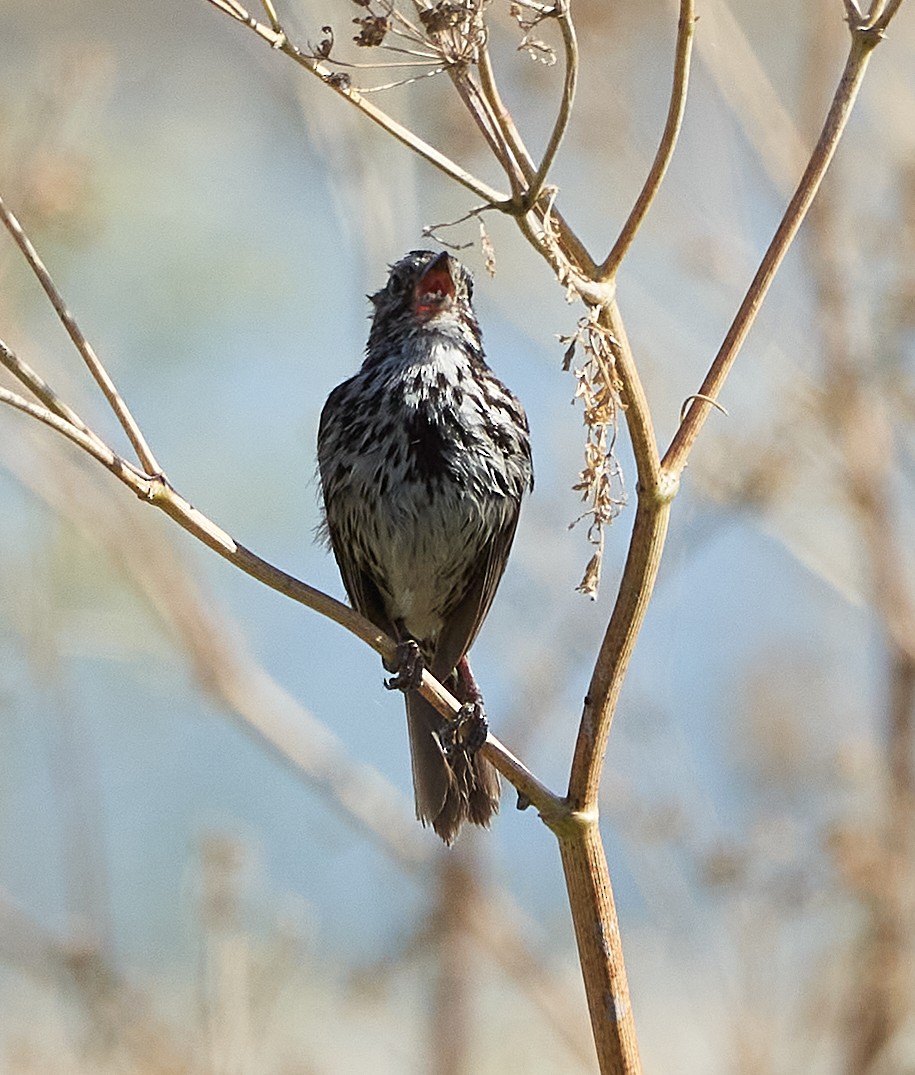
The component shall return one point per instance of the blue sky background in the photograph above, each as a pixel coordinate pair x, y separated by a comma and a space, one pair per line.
219, 262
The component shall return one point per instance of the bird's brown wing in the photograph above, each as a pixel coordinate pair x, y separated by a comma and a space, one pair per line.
364, 595
463, 624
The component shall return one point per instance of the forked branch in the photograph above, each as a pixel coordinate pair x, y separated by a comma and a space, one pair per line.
865, 36
574, 819
684, 50
98, 371
276, 38
154, 488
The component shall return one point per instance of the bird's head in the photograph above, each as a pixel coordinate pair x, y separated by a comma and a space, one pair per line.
425, 291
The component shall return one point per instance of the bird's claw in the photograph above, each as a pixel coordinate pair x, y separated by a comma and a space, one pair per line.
468, 731
407, 666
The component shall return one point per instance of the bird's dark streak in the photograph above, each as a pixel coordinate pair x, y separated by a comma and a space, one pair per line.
427, 447
356, 431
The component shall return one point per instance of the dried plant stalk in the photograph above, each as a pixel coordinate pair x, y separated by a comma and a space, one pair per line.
608, 384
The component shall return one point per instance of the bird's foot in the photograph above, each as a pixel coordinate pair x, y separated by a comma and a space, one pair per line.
468, 731
407, 666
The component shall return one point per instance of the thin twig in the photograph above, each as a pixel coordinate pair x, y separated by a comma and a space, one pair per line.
271, 14
277, 39
503, 118
43, 391
656, 492
406, 81
574, 255
479, 108
863, 42
101, 452
684, 48
144, 454
883, 21
155, 490
563, 15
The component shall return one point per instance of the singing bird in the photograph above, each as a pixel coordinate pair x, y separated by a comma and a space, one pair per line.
424, 457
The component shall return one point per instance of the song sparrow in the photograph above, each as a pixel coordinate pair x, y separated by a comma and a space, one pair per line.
424, 458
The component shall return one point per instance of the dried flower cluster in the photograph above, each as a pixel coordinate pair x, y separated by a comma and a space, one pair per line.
601, 479
439, 37
374, 30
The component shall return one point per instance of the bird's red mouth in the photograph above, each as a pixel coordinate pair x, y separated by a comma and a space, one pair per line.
434, 290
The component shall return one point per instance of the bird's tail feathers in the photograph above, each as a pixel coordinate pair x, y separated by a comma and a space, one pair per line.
449, 789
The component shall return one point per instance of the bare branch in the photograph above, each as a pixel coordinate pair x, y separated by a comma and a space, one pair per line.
82, 439
880, 24
863, 42
544, 227
43, 391
276, 38
502, 116
130, 427
158, 492
270, 12
563, 15
684, 48
486, 120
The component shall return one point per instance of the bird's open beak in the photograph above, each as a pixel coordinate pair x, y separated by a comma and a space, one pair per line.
434, 290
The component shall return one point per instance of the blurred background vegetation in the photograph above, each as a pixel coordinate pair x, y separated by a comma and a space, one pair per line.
207, 856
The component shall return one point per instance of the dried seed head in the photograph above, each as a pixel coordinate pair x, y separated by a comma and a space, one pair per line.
373, 32
600, 481
445, 15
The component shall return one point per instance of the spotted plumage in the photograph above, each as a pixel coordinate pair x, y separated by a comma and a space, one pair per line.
424, 457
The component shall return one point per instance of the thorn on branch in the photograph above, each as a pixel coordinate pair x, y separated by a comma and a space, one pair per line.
706, 399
